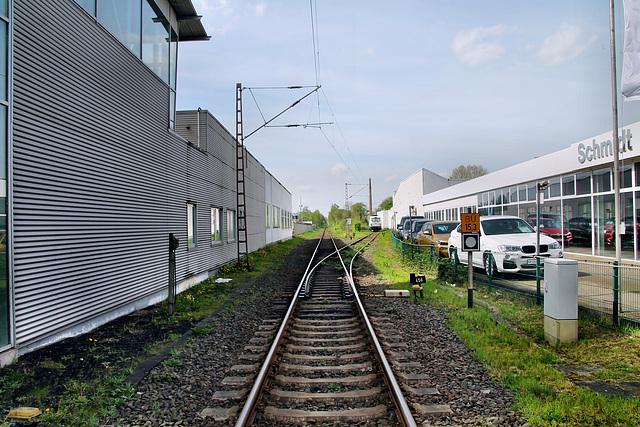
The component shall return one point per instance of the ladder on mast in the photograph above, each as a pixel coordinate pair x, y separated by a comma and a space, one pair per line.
243, 245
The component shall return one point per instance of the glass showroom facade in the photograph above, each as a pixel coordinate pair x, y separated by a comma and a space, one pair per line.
582, 202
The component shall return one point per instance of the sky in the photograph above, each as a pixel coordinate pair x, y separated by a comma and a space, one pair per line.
404, 85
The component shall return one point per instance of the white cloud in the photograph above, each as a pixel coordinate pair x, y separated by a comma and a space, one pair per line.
260, 8
476, 47
393, 178
338, 169
564, 45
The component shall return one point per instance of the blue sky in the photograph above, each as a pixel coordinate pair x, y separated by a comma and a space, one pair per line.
405, 85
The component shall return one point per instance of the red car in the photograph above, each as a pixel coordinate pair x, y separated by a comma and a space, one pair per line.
626, 238
553, 229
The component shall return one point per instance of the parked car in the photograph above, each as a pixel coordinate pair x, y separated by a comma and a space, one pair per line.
406, 219
434, 236
626, 239
507, 244
554, 229
415, 227
581, 228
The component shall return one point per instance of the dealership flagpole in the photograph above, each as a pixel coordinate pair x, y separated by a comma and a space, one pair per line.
616, 141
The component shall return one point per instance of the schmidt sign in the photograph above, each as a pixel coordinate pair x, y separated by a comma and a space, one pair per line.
594, 151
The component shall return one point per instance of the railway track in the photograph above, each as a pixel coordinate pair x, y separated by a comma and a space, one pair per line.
325, 364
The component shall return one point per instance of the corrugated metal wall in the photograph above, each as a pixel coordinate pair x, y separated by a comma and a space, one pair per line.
99, 181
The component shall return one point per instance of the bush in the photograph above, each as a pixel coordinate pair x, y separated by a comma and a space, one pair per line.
358, 226
447, 272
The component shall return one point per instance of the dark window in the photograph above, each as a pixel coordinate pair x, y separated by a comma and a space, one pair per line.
583, 183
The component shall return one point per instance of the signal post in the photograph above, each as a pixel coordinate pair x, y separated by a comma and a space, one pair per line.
470, 243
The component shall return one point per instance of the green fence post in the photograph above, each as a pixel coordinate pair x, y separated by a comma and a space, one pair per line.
538, 292
616, 291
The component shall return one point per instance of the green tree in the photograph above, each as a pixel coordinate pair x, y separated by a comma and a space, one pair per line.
318, 219
305, 214
336, 215
359, 212
386, 204
468, 172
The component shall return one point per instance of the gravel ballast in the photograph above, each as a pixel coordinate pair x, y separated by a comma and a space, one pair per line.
180, 390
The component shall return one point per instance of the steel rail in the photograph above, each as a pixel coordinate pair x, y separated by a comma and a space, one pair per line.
305, 288
252, 399
402, 408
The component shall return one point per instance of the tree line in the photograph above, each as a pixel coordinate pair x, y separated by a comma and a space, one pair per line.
359, 213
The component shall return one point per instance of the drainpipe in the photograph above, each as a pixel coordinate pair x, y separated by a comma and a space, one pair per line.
199, 109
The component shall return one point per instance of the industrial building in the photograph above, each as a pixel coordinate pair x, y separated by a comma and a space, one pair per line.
99, 169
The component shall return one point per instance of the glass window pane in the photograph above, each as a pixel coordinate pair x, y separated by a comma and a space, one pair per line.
231, 225
192, 225
216, 224
554, 187
3, 60
568, 186
123, 19
602, 180
514, 194
492, 198
583, 183
625, 176
523, 193
531, 191
155, 41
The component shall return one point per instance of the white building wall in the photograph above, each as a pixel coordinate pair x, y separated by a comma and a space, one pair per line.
279, 200
411, 190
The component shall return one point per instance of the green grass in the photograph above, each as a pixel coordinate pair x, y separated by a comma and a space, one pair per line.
518, 357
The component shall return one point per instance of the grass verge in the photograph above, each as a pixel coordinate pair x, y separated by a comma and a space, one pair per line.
509, 345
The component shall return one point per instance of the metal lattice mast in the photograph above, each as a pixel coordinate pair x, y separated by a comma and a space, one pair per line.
243, 245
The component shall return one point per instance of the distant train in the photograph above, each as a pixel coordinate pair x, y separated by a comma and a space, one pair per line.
375, 223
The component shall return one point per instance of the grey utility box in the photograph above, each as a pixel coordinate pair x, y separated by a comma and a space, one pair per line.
560, 300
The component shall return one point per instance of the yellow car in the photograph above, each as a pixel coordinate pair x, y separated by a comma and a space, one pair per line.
434, 237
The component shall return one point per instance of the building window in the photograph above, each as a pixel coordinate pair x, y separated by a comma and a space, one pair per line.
568, 186
513, 192
192, 225
216, 225
522, 193
583, 183
554, 187
602, 180
231, 225
276, 217
122, 18
625, 176
531, 191
267, 212
155, 41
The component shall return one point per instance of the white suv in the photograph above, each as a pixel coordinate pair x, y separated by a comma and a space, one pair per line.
507, 244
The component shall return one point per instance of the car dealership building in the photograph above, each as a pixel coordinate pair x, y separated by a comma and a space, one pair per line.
580, 192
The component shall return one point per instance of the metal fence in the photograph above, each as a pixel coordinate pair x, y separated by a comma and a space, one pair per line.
606, 289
